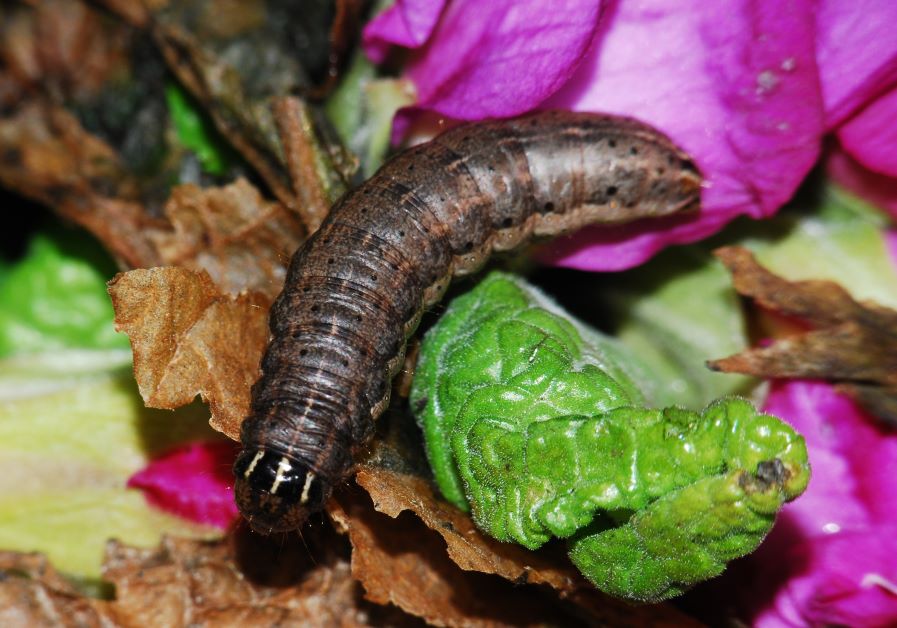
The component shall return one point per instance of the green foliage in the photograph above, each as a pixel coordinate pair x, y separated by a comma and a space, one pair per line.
361, 110
536, 424
196, 132
656, 307
55, 297
843, 238
73, 429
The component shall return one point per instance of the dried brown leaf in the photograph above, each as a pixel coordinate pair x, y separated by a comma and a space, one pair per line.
32, 593
244, 581
401, 561
46, 154
188, 339
853, 344
243, 241
394, 492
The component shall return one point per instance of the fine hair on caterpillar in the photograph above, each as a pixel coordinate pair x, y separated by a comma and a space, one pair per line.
355, 290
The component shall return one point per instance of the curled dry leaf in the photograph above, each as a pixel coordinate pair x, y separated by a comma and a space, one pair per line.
402, 562
243, 241
394, 492
852, 344
188, 338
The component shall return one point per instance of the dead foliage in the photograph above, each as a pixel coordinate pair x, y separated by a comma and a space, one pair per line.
851, 344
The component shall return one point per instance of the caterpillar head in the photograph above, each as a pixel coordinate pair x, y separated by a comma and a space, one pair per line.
275, 492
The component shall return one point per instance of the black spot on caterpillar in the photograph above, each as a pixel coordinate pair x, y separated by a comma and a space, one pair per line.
355, 290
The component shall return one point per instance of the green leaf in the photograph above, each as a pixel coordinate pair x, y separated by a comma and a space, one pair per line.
487, 337
55, 297
71, 434
536, 423
676, 312
197, 132
844, 240
361, 110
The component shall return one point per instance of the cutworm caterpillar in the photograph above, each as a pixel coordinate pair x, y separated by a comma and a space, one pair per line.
355, 290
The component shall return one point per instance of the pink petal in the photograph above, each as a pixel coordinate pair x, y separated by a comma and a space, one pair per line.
193, 481
407, 23
891, 244
734, 83
847, 579
856, 53
871, 135
501, 58
878, 189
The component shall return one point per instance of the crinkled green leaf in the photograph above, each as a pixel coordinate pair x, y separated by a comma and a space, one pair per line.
470, 342
66, 453
55, 297
537, 424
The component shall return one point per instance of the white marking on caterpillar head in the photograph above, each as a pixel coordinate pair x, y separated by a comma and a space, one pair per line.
282, 467
255, 461
308, 480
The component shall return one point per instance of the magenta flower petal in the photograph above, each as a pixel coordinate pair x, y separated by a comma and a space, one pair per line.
871, 135
193, 481
733, 83
407, 23
501, 58
856, 53
847, 579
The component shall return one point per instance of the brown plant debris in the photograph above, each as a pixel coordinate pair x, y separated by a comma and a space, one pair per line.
852, 344
305, 162
32, 593
85, 127
400, 561
188, 338
47, 155
243, 241
245, 580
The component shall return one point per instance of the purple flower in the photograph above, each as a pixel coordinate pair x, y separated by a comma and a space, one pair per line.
748, 87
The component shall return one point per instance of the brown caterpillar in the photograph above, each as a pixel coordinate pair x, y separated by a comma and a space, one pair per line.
356, 289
